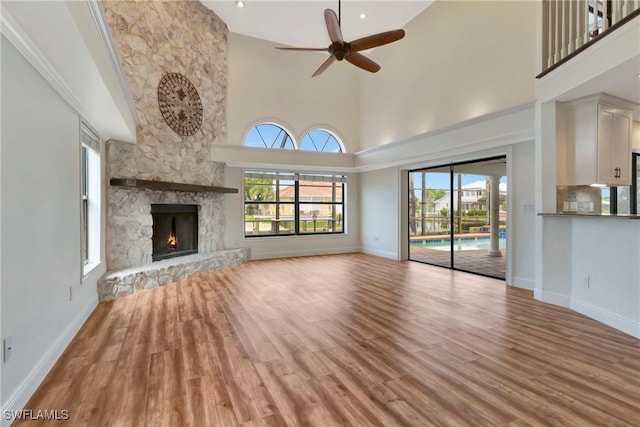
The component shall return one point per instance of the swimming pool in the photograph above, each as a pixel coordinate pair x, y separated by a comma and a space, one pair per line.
460, 243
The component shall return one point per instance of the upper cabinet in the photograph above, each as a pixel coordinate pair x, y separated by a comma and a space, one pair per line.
596, 148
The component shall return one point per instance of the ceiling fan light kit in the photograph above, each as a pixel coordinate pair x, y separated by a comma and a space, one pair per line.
340, 50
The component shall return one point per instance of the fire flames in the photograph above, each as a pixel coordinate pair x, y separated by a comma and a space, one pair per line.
172, 241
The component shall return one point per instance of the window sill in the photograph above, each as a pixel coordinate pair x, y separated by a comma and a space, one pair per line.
296, 236
88, 268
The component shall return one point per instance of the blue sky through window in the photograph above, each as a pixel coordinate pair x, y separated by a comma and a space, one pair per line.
267, 135
320, 140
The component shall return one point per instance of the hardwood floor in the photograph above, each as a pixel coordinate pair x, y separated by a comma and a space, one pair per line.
342, 340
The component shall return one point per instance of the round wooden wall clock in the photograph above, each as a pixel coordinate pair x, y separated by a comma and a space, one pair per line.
180, 104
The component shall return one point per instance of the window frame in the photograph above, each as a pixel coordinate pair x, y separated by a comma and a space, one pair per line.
90, 199
283, 130
337, 207
297, 144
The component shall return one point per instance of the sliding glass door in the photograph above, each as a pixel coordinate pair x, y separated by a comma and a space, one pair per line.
430, 216
457, 216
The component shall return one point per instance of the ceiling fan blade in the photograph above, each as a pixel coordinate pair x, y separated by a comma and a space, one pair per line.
363, 62
324, 49
376, 40
333, 26
324, 66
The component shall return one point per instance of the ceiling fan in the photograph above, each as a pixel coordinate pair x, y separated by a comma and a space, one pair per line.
340, 49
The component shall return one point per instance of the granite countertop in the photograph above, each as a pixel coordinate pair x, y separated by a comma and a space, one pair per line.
589, 215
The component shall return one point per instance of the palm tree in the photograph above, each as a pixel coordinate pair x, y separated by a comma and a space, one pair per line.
258, 189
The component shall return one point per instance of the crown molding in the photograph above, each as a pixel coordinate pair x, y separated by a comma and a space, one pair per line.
17, 36
100, 21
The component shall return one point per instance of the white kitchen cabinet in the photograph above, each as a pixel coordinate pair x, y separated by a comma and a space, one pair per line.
594, 144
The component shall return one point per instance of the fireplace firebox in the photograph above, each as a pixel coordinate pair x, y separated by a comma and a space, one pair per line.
175, 230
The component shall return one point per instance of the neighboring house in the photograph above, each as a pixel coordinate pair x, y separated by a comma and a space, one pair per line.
314, 200
473, 197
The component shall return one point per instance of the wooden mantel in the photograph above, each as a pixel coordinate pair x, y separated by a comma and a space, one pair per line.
168, 186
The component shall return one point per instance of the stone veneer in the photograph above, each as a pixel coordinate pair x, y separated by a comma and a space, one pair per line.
154, 38
125, 282
129, 234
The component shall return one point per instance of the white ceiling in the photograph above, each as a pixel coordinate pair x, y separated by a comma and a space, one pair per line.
301, 22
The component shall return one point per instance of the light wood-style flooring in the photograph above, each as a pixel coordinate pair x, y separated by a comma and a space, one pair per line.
345, 340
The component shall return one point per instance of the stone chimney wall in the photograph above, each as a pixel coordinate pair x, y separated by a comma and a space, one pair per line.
154, 38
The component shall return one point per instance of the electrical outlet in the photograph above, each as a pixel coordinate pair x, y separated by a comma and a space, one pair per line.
587, 281
7, 349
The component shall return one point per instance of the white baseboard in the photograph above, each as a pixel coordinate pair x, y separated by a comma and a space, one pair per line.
256, 255
552, 298
521, 282
614, 320
608, 318
377, 252
23, 393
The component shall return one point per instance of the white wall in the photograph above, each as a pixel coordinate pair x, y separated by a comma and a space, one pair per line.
40, 227
83, 71
275, 247
270, 85
380, 200
591, 265
459, 60
523, 214
614, 281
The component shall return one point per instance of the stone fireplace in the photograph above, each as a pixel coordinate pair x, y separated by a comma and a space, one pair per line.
153, 39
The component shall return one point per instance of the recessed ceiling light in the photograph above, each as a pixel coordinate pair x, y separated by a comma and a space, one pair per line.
240, 3
363, 15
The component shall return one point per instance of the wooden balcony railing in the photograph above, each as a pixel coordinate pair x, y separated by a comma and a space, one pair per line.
570, 26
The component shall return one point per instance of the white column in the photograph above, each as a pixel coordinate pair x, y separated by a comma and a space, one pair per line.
572, 26
494, 226
548, 16
580, 22
557, 41
563, 29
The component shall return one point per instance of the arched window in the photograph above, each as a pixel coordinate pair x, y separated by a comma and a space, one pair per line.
320, 140
269, 135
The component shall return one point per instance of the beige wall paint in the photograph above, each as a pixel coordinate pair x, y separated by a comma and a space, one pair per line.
270, 85
459, 60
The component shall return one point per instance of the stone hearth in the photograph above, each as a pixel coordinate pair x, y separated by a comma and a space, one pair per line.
126, 282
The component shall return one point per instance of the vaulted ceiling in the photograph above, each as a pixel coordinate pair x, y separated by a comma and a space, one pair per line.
301, 22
